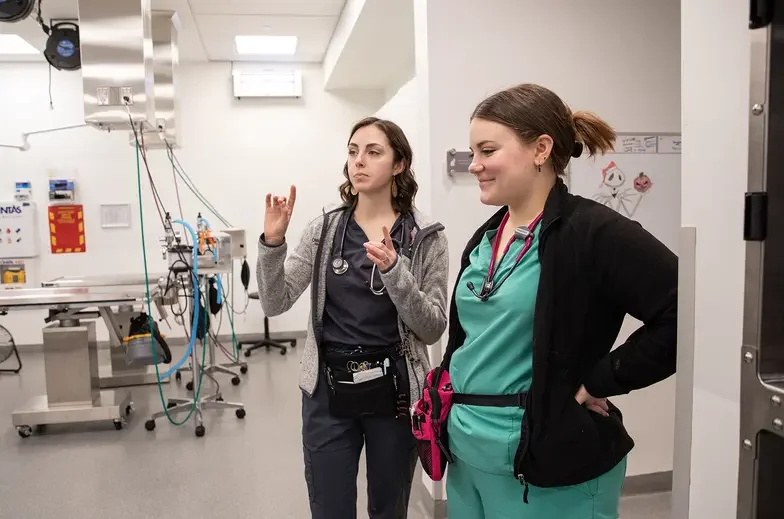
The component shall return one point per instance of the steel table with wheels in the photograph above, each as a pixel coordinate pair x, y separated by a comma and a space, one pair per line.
73, 392
118, 373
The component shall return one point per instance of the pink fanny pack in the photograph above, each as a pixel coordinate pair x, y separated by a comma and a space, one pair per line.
430, 414
428, 421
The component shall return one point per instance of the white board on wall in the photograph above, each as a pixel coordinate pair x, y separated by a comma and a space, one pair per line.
18, 230
642, 182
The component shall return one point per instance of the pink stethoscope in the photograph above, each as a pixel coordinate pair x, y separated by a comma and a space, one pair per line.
526, 233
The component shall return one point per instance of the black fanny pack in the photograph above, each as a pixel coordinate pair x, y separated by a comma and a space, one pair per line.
362, 383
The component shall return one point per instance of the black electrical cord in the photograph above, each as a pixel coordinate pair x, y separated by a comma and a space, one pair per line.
40, 19
140, 144
139, 137
156, 196
214, 336
179, 201
245, 273
190, 184
230, 306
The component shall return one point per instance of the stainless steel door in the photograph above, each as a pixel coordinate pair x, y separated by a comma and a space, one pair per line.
760, 496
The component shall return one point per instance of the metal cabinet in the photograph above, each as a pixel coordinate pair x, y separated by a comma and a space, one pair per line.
760, 487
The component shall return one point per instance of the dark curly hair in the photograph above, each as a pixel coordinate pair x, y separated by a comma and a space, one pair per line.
405, 182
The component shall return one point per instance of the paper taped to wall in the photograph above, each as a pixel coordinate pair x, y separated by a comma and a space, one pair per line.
669, 144
636, 144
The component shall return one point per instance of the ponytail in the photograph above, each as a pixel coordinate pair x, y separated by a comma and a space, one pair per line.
593, 133
532, 110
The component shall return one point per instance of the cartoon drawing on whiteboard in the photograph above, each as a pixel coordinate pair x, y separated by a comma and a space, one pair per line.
614, 195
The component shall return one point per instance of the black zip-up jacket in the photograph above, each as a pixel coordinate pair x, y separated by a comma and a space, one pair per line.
596, 267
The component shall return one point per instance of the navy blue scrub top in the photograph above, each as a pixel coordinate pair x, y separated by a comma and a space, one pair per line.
353, 315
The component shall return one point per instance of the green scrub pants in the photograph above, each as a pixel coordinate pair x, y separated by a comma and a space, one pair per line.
474, 494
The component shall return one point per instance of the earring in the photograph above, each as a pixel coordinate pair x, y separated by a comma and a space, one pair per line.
353, 191
394, 189
539, 166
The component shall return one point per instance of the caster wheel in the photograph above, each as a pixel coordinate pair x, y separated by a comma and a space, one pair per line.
189, 386
149, 425
200, 430
282, 352
177, 376
244, 369
235, 381
240, 413
118, 425
25, 431
294, 343
247, 353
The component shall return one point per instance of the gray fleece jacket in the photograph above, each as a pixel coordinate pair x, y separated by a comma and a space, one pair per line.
417, 287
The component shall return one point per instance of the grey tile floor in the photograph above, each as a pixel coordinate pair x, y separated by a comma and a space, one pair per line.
249, 468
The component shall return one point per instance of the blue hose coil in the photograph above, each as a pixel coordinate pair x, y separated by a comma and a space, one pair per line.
195, 323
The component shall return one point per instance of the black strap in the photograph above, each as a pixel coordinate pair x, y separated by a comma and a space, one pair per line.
517, 400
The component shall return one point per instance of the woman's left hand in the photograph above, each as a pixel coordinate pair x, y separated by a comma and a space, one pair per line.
382, 254
597, 405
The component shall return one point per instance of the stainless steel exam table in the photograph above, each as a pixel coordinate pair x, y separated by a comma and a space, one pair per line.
74, 389
118, 373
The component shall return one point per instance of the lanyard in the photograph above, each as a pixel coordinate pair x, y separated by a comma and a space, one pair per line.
526, 233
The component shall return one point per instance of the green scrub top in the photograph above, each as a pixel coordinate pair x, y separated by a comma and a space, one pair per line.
496, 357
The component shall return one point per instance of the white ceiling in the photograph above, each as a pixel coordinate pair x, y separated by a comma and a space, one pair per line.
209, 26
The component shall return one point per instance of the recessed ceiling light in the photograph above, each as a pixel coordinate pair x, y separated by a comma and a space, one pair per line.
15, 44
266, 45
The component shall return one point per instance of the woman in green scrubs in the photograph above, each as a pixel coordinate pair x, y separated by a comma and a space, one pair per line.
543, 289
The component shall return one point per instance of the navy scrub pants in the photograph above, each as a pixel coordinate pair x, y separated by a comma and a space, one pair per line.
332, 448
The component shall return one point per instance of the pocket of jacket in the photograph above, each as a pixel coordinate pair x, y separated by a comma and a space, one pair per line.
570, 439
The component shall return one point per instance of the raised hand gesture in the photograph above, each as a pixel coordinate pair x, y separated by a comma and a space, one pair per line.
277, 216
382, 254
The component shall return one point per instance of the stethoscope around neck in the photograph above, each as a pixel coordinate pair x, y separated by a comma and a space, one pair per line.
525, 233
340, 265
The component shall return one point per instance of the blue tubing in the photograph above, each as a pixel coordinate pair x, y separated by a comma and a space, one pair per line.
220, 289
195, 324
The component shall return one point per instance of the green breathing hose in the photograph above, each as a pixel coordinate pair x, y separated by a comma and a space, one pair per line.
234, 342
197, 390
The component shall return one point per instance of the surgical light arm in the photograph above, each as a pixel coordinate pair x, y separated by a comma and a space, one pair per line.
26, 144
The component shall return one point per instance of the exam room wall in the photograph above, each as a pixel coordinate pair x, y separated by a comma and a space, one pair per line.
235, 152
619, 58
716, 71
400, 108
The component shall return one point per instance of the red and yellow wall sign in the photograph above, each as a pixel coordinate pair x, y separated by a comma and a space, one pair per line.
66, 228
